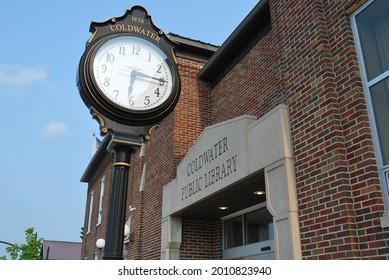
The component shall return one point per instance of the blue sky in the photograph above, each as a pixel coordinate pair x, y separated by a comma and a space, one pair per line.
46, 130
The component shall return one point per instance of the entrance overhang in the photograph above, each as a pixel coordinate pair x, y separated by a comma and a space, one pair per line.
225, 164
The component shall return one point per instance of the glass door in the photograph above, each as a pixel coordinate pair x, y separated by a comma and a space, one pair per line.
249, 234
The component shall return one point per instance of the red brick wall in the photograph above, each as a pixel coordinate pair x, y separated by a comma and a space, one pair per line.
194, 110
360, 156
308, 61
252, 86
96, 232
201, 239
167, 146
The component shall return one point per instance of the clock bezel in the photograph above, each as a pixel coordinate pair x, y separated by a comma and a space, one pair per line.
98, 99
157, 51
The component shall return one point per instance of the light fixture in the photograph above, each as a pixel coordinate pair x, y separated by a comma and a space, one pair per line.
100, 243
259, 192
223, 208
126, 230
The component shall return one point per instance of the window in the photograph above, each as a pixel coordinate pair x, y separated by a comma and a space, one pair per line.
100, 215
249, 228
233, 232
90, 210
371, 30
259, 226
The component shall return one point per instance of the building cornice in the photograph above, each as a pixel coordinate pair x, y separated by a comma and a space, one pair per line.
96, 160
254, 27
192, 49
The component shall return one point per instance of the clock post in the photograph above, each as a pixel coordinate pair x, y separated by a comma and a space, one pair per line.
128, 78
125, 141
122, 149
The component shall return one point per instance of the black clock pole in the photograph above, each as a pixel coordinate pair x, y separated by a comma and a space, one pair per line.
122, 149
129, 124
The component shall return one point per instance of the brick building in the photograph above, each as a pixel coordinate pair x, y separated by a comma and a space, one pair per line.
277, 149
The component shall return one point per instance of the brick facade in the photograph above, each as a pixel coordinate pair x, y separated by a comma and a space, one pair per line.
202, 239
97, 231
307, 61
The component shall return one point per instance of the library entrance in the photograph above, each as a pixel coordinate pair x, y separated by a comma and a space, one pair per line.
248, 234
234, 196
242, 227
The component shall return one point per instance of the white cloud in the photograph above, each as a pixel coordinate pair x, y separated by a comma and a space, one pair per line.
54, 130
18, 75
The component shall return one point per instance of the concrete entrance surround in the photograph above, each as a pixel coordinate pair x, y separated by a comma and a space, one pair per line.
226, 153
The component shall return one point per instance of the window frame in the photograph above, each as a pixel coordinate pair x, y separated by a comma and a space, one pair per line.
367, 85
101, 199
91, 198
245, 249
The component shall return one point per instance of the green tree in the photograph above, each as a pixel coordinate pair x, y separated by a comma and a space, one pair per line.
29, 251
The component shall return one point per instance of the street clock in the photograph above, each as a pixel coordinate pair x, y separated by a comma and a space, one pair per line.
128, 72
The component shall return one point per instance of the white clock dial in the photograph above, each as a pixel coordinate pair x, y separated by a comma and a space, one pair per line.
133, 73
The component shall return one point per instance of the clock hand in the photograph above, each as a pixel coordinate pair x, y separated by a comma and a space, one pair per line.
140, 74
132, 80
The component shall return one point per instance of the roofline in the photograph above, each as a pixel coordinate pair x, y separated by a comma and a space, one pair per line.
96, 160
243, 38
192, 49
57, 241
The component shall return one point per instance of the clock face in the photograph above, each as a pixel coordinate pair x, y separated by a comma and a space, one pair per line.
132, 73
